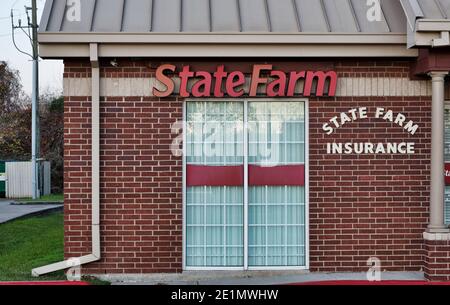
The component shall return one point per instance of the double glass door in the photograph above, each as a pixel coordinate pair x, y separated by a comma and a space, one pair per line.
447, 163
245, 185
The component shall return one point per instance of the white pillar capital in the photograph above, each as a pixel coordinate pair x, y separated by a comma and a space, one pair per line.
438, 76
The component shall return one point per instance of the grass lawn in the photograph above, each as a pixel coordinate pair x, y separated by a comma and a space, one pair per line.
31, 242
46, 198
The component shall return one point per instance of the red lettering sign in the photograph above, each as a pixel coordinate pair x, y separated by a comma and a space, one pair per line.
264, 81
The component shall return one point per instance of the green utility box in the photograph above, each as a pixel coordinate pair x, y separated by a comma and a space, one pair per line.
2, 179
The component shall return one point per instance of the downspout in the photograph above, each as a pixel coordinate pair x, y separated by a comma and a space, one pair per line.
95, 206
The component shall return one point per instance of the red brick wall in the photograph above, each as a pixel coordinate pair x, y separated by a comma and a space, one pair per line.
437, 260
360, 206
141, 182
368, 205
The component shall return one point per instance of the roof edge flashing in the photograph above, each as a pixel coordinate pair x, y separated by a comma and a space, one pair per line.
430, 33
203, 50
227, 33
224, 38
413, 12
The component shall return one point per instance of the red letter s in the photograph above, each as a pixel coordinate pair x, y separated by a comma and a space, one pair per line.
166, 81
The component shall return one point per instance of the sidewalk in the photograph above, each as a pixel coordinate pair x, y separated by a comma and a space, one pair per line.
252, 278
9, 212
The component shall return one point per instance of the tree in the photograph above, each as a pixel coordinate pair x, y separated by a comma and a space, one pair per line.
15, 135
15, 125
52, 137
10, 89
14, 117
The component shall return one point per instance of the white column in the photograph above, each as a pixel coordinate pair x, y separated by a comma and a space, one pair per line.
437, 187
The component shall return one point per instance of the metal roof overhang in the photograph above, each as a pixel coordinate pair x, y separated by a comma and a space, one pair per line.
428, 22
63, 45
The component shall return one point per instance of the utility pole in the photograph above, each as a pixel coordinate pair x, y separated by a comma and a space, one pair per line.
35, 103
33, 36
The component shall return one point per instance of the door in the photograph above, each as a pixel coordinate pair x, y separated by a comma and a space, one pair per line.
245, 194
447, 162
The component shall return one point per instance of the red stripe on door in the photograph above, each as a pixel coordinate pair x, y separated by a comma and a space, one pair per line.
204, 175
447, 173
290, 175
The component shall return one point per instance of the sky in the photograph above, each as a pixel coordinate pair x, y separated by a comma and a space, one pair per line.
51, 71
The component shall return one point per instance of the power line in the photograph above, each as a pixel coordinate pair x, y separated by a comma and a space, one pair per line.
15, 45
14, 4
8, 17
13, 9
28, 35
23, 28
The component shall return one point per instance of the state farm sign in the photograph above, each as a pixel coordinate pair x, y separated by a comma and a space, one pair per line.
272, 83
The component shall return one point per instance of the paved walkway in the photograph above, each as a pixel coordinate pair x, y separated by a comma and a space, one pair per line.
252, 278
9, 212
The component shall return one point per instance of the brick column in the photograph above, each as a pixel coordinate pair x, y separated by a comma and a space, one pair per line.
437, 256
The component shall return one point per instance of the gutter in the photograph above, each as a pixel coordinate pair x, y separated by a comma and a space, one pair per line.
439, 29
95, 205
222, 38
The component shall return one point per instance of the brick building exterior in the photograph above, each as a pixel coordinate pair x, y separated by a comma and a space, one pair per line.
361, 206
139, 201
